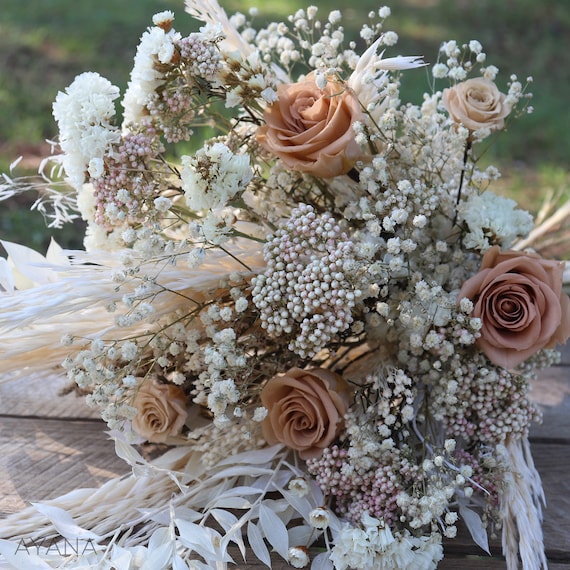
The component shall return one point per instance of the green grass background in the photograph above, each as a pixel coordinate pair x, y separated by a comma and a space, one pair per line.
45, 43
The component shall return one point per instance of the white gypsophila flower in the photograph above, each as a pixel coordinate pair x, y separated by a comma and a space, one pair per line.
259, 414
440, 70
213, 176
83, 114
493, 220
390, 38
162, 204
156, 46
369, 78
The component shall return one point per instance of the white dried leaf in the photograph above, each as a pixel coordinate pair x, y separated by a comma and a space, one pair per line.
274, 529
17, 558
178, 563
231, 524
475, 526
159, 558
198, 538
64, 524
322, 562
233, 503
257, 544
255, 457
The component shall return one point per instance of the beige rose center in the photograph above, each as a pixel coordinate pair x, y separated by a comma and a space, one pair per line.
479, 96
511, 307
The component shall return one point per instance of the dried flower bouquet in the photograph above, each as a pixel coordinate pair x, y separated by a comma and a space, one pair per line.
322, 312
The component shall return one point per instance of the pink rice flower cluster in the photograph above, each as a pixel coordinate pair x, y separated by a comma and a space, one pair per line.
358, 489
124, 189
482, 402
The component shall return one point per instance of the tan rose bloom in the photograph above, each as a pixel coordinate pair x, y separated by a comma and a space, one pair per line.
161, 411
310, 129
476, 104
519, 299
305, 409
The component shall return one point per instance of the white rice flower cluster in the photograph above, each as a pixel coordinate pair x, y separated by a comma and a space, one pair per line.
309, 284
83, 114
493, 220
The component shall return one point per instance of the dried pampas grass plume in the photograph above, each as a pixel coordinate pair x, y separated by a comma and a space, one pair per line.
77, 303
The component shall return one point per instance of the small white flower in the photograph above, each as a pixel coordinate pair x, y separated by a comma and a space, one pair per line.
162, 204
298, 556
259, 414
335, 17
213, 176
298, 486
163, 18
319, 518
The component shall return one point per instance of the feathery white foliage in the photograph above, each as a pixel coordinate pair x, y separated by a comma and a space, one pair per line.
210, 12
369, 78
33, 320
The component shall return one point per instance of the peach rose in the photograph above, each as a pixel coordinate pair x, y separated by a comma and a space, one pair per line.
518, 297
310, 129
161, 411
305, 409
476, 104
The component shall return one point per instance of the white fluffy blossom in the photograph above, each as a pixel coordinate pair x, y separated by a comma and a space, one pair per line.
493, 220
156, 46
83, 114
213, 176
298, 556
374, 546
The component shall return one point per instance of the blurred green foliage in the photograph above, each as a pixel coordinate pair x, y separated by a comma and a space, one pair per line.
44, 44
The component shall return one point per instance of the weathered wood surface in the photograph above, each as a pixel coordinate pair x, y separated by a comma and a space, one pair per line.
51, 444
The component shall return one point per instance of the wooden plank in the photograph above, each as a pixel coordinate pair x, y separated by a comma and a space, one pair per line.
43, 459
553, 464
19, 397
565, 354
486, 562
552, 394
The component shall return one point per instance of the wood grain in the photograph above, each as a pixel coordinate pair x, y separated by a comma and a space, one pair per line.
44, 458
